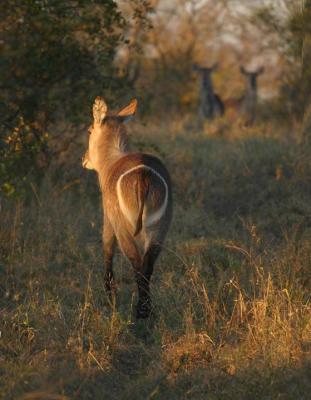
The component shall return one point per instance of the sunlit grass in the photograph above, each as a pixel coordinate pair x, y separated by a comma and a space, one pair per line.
231, 289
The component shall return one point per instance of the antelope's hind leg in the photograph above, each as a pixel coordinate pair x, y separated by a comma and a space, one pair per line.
109, 241
143, 267
143, 276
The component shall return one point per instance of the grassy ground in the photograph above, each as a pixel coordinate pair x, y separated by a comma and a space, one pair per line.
231, 289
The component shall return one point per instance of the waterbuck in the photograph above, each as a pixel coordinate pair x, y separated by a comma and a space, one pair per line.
244, 108
136, 196
211, 105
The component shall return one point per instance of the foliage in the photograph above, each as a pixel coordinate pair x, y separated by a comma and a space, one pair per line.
170, 86
22, 151
57, 55
291, 33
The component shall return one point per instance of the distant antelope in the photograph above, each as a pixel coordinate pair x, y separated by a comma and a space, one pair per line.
137, 197
244, 108
211, 105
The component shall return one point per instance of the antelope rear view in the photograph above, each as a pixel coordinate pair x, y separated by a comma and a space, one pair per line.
136, 195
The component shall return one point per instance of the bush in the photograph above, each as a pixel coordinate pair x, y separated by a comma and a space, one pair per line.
57, 56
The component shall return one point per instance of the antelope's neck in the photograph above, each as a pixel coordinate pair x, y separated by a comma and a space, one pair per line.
206, 83
110, 148
108, 157
251, 87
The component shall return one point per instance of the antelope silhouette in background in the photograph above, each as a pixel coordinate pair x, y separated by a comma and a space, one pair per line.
210, 104
244, 108
136, 196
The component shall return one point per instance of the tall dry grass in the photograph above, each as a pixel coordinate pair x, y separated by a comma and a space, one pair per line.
231, 288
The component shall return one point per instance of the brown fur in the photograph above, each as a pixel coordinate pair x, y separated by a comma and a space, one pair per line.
136, 182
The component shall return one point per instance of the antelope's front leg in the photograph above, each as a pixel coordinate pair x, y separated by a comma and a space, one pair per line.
109, 241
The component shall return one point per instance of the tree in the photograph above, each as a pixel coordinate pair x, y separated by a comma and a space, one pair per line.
290, 24
57, 55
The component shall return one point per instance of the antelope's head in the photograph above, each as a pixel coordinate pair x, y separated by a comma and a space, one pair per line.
107, 134
251, 76
205, 70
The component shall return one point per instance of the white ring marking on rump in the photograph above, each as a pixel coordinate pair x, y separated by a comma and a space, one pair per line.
151, 219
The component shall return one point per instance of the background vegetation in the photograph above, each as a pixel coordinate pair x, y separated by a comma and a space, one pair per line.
232, 287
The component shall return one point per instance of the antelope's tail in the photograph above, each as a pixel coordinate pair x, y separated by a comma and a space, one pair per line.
142, 193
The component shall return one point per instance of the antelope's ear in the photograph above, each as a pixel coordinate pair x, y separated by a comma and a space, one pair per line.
195, 67
128, 112
260, 70
99, 110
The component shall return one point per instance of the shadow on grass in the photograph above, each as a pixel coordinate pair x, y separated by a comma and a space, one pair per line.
137, 376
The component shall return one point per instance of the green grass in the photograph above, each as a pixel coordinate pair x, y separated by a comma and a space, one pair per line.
231, 289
